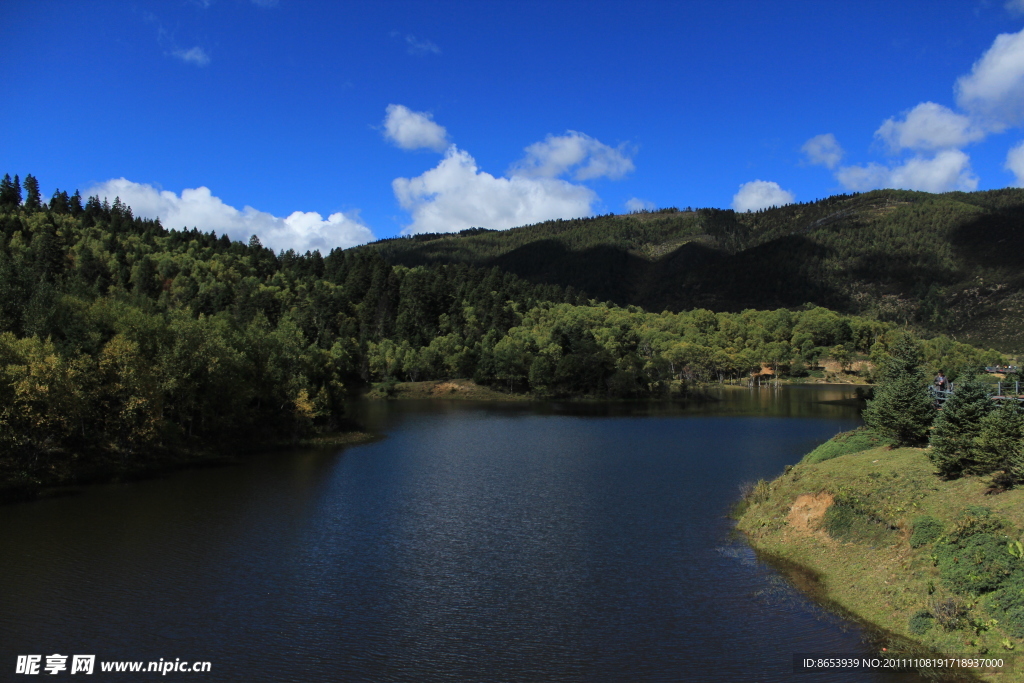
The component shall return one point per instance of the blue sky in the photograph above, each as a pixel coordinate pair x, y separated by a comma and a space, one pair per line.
327, 124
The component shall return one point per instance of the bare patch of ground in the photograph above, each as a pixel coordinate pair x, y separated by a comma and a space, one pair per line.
808, 510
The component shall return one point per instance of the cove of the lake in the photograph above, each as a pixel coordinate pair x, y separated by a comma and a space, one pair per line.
476, 542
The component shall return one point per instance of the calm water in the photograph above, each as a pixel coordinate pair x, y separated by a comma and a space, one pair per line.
478, 542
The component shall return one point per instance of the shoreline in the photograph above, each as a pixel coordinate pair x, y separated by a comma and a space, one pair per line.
69, 477
868, 571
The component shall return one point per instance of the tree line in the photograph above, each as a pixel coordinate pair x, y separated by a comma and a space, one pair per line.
120, 338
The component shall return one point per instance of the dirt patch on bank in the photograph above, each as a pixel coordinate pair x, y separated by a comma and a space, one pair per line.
807, 511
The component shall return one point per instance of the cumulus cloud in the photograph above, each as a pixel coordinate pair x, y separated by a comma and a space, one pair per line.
994, 90
948, 170
760, 194
634, 205
199, 208
823, 150
928, 127
413, 129
195, 55
1015, 163
586, 157
456, 195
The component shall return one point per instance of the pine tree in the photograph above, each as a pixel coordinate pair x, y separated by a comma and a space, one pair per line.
9, 199
902, 409
75, 205
1001, 438
33, 200
954, 450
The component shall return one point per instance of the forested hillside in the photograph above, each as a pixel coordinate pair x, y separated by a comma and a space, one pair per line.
121, 340
949, 263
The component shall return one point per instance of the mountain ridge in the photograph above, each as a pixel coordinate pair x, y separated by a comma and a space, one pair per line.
947, 263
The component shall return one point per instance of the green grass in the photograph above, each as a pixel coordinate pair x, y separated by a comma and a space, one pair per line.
862, 552
855, 441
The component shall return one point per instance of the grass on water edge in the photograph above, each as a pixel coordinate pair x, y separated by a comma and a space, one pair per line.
847, 514
460, 389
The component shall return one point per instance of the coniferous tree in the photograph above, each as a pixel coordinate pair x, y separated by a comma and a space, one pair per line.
954, 450
902, 409
33, 200
9, 197
1000, 441
75, 205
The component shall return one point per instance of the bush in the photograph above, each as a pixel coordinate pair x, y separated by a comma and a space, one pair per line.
926, 530
921, 622
847, 523
951, 613
1007, 604
974, 557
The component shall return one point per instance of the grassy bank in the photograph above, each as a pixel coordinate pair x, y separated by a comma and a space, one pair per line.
891, 544
58, 472
460, 389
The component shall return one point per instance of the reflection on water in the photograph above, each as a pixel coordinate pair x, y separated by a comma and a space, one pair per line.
518, 542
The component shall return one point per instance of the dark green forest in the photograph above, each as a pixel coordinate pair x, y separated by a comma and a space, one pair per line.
123, 341
945, 264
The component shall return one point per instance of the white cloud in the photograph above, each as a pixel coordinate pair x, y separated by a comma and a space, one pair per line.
948, 170
589, 158
823, 150
994, 90
195, 55
1015, 6
760, 194
634, 205
421, 46
1015, 162
198, 208
928, 127
413, 129
456, 195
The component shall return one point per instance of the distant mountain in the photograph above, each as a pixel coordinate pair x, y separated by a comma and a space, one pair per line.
950, 263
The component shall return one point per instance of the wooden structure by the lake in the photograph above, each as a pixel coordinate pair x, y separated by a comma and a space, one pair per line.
1003, 392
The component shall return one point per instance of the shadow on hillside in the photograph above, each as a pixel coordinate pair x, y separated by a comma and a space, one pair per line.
991, 241
782, 273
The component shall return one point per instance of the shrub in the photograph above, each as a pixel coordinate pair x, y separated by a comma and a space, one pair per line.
848, 523
974, 557
950, 613
926, 530
921, 622
1007, 604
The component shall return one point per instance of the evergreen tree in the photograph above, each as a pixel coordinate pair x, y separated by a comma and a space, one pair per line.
958, 425
9, 198
1000, 442
75, 205
33, 200
902, 409
60, 202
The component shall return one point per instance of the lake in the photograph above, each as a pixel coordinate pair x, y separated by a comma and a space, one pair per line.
477, 542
